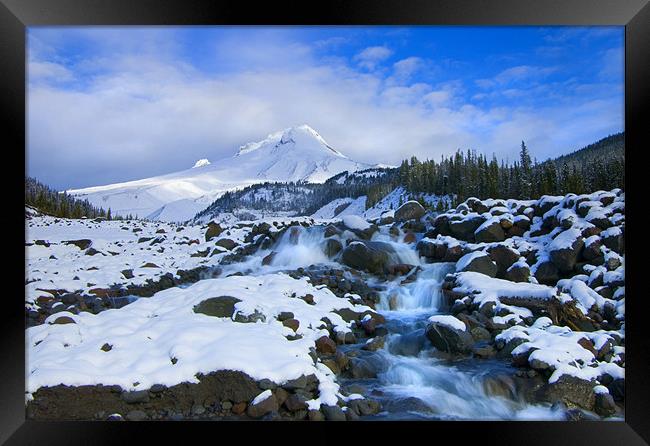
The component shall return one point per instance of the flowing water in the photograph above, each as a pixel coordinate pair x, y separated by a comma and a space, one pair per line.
414, 382
417, 383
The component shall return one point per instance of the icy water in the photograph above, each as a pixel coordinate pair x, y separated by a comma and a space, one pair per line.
414, 382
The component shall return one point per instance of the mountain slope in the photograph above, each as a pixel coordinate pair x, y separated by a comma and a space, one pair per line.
295, 154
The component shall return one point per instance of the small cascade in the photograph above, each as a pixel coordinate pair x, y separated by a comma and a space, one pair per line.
422, 294
300, 247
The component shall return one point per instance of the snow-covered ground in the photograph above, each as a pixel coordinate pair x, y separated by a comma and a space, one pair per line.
535, 290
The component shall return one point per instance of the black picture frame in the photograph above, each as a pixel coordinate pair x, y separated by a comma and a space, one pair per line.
16, 15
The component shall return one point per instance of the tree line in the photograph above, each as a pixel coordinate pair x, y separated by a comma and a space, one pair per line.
60, 204
599, 166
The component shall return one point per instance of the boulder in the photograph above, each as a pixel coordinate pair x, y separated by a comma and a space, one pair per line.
565, 249
226, 243
333, 413
373, 257
214, 230
592, 248
504, 257
476, 205
222, 306
547, 273
325, 345
257, 409
464, 229
449, 338
570, 390
518, 273
614, 239
331, 247
81, 244
409, 211
479, 262
490, 232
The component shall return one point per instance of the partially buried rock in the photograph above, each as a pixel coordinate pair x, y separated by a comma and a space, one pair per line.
325, 345
214, 230
226, 243
222, 306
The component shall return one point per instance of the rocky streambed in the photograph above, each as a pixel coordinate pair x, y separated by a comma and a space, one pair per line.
498, 309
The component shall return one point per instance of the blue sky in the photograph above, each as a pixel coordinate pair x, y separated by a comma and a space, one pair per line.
109, 104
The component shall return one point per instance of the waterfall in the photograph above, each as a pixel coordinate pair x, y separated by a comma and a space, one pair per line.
422, 294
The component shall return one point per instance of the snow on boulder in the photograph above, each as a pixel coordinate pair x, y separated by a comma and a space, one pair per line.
504, 257
449, 334
490, 231
477, 261
486, 289
565, 249
585, 296
464, 229
409, 211
355, 222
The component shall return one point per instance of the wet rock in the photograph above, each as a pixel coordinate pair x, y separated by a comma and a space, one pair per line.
368, 256
331, 230
222, 306
269, 258
449, 339
364, 406
331, 247
570, 390
375, 344
345, 338
409, 211
333, 413
604, 404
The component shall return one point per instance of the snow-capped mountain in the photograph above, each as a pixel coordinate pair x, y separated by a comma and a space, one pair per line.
294, 154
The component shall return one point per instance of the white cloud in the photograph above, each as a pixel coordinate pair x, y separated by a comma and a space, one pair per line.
147, 115
370, 57
407, 67
514, 74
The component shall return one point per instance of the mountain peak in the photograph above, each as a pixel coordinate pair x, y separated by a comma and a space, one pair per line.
200, 163
302, 137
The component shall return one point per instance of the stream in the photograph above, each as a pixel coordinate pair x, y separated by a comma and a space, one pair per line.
414, 381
